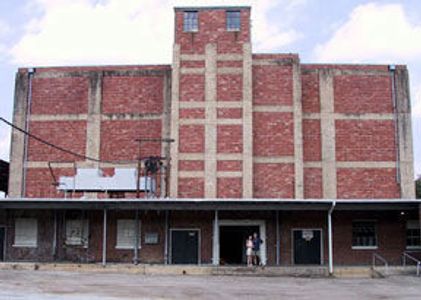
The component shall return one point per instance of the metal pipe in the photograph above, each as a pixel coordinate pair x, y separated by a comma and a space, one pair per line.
392, 70
330, 238
104, 239
278, 242
216, 239
136, 238
31, 72
166, 237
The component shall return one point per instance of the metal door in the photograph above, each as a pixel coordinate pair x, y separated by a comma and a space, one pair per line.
307, 247
184, 246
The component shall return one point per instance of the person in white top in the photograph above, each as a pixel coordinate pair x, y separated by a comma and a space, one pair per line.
249, 251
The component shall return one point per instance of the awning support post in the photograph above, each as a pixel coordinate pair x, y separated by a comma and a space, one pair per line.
54, 251
166, 260
278, 242
215, 258
104, 239
136, 238
330, 237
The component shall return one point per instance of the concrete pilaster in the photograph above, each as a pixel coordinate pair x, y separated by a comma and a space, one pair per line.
247, 122
406, 157
17, 152
210, 122
298, 132
327, 123
175, 92
93, 125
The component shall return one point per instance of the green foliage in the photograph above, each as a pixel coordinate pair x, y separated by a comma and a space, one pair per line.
418, 188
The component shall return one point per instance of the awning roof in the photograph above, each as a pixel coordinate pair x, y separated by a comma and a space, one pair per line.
210, 204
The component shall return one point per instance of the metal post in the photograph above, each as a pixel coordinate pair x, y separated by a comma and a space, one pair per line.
136, 238
54, 250
330, 238
216, 239
166, 260
278, 242
104, 239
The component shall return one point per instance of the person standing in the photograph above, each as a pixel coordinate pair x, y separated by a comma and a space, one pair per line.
249, 251
257, 241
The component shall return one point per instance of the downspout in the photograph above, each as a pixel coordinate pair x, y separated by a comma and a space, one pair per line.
392, 69
31, 72
330, 242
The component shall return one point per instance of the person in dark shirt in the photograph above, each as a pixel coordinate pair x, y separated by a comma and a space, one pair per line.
257, 241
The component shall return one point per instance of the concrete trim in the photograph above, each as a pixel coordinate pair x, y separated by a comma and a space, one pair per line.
89, 73
192, 57
175, 92
312, 164
274, 160
192, 104
59, 117
366, 164
298, 132
191, 156
229, 104
327, 124
229, 174
205, 122
247, 122
229, 57
191, 174
192, 70
337, 72
17, 149
166, 133
273, 62
229, 70
93, 126
353, 116
131, 116
229, 156
229, 121
273, 108
406, 155
210, 126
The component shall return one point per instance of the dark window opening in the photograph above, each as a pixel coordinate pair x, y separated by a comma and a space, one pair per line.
413, 234
190, 22
364, 234
233, 20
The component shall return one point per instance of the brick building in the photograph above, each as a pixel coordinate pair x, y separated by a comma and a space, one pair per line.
315, 158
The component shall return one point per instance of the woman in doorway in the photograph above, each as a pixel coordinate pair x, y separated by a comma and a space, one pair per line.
249, 251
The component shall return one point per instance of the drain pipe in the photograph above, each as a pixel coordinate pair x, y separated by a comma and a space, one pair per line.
392, 69
330, 242
31, 72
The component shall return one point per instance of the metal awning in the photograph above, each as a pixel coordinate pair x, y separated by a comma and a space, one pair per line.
209, 204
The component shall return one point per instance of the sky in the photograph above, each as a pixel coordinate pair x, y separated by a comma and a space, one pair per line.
112, 32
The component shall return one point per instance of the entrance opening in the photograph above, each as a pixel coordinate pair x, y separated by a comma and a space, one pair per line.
233, 243
2, 238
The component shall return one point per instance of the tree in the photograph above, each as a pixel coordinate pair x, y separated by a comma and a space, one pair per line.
418, 187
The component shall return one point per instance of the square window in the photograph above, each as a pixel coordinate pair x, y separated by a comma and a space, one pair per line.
190, 22
413, 234
26, 232
126, 234
233, 20
77, 232
364, 234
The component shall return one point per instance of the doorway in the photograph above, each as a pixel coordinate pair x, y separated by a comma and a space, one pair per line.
307, 246
185, 246
233, 243
2, 242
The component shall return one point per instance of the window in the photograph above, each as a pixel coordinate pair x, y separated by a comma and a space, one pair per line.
190, 23
26, 233
364, 235
233, 20
413, 235
77, 232
126, 234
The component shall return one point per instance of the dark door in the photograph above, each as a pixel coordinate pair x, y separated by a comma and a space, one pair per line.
307, 247
2, 237
232, 243
185, 246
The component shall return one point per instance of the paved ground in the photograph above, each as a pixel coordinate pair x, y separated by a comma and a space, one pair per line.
71, 285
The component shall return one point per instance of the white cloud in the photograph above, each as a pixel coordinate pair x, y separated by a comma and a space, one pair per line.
4, 143
416, 109
375, 33
69, 32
